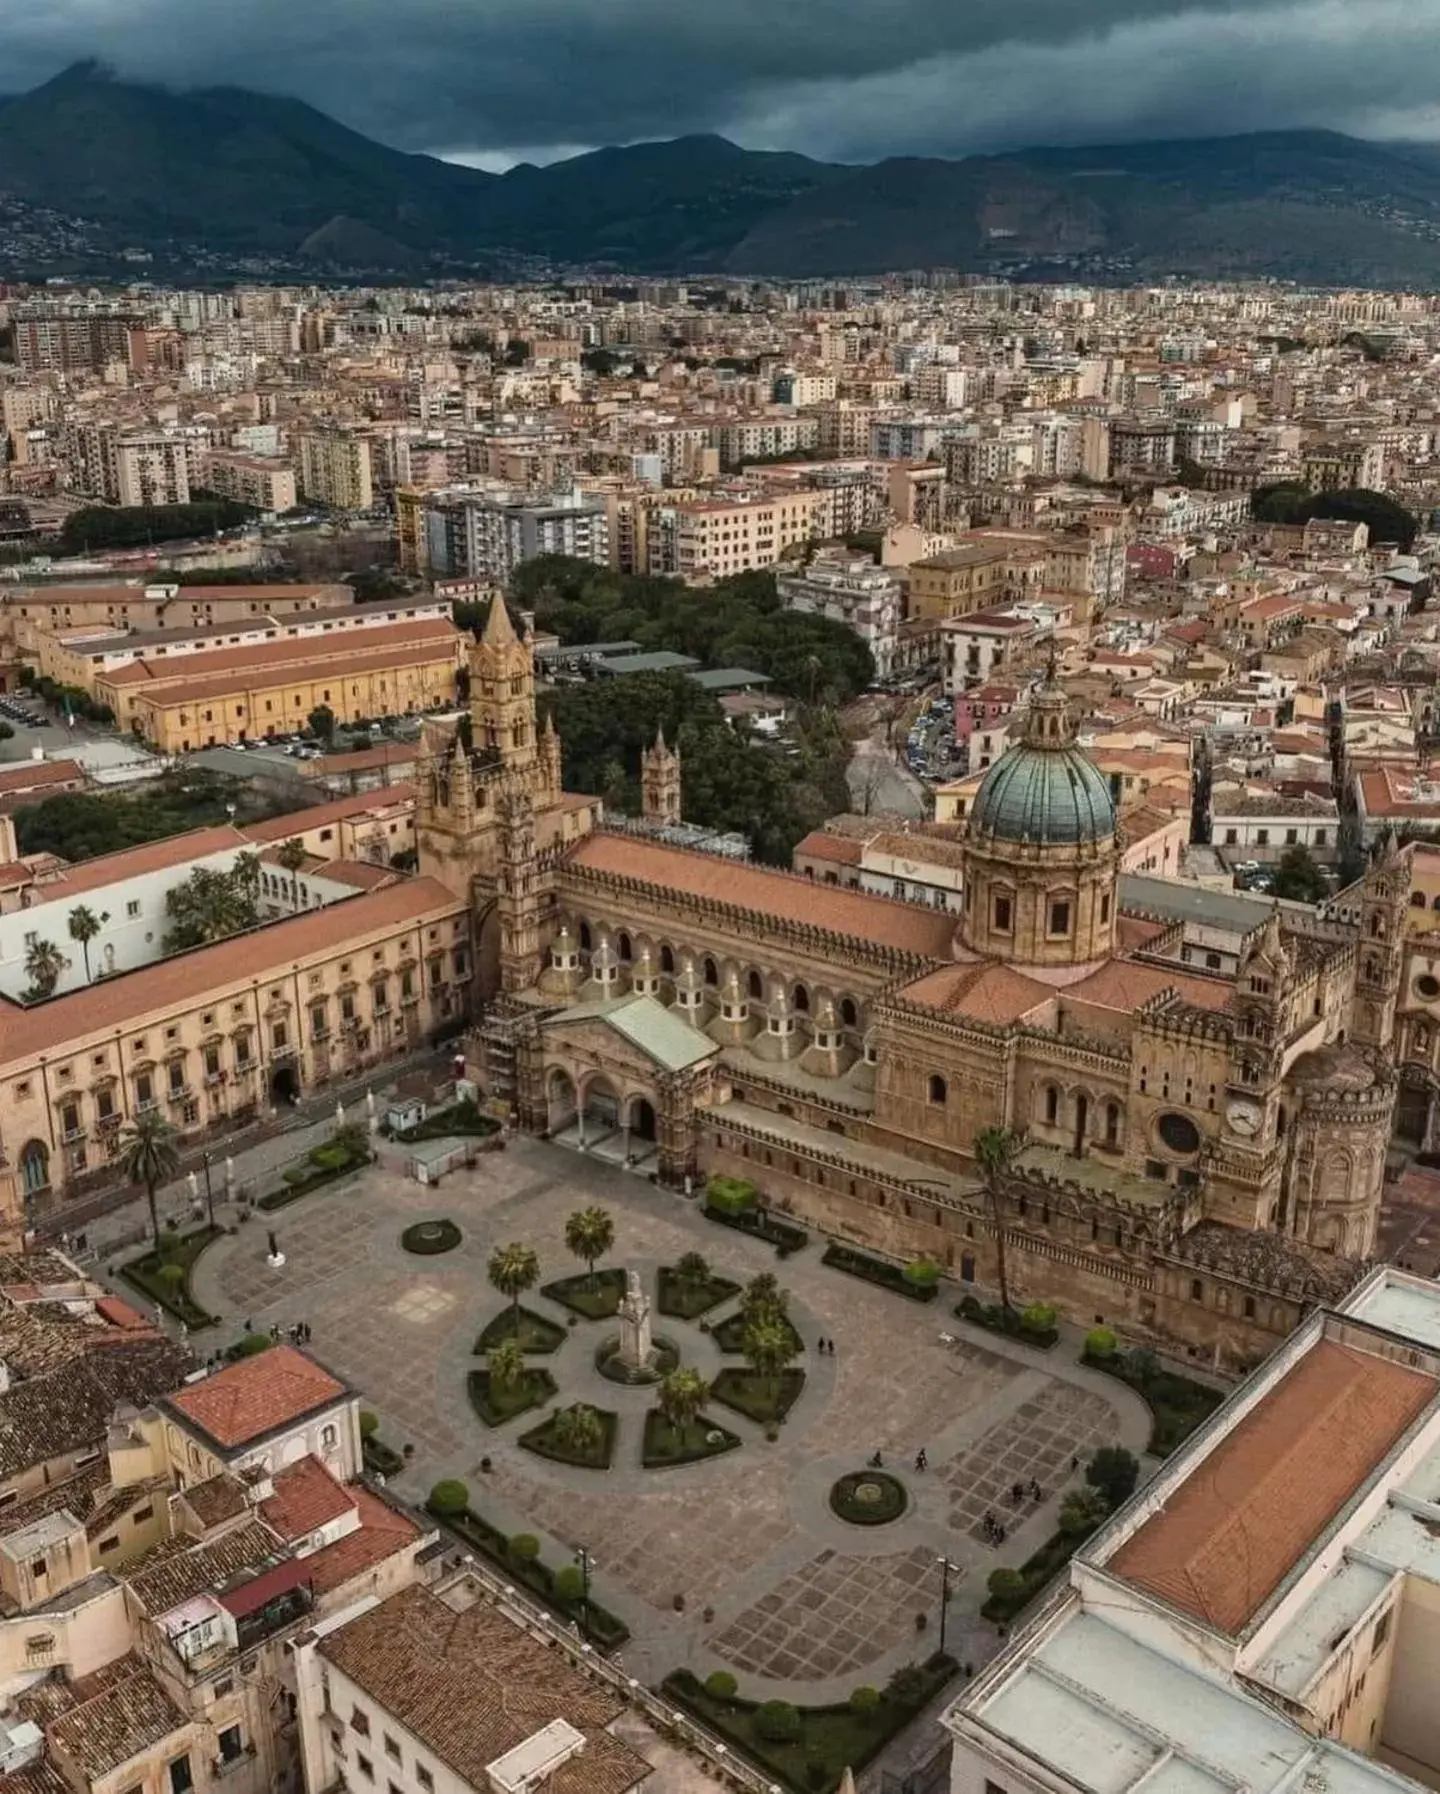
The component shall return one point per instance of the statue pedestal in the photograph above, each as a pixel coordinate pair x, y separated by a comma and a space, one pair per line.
637, 1348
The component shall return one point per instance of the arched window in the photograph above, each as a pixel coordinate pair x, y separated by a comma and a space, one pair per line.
667, 960
938, 1089
1197, 1290
584, 937
1105, 908
623, 946
848, 1012
711, 975
329, 1438
35, 1167
1435, 904
801, 999
755, 987
1417, 900
1112, 1124
1052, 1104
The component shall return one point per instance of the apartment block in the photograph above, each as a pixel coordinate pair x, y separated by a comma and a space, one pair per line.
335, 470
479, 535
852, 590
700, 541
264, 483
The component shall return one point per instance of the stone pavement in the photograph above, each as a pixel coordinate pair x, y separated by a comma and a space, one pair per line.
769, 1581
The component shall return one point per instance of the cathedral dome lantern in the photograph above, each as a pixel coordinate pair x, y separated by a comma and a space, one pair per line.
1042, 850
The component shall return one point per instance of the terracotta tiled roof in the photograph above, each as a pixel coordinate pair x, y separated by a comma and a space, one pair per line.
906, 927
1243, 1517
217, 1499
219, 685
818, 845
366, 647
122, 1720
1123, 984
179, 1569
254, 1396
302, 822
381, 1532
207, 972
69, 1410
35, 775
472, 1686
982, 993
306, 1498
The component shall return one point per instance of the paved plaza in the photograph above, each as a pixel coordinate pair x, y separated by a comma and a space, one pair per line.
739, 1561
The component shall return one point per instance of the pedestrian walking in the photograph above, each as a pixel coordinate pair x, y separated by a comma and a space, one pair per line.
921, 1461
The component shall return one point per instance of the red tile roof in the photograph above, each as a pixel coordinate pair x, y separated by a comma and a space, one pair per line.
256, 1396
381, 1533
905, 927
982, 993
306, 1498
1231, 1533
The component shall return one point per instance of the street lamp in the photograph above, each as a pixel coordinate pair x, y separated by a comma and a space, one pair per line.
945, 1568
587, 1564
209, 1191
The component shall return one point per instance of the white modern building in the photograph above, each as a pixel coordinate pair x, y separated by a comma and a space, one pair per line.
486, 535
1264, 1615
853, 590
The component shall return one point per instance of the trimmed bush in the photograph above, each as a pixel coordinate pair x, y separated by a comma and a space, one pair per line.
596, 1299
731, 1195
369, 1424
427, 1239
868, 1498
665, 1445
251, 1345
535, 1332
1178, 1404
1038, 1317
1114, 1472
920, 1273
497, 1405
165, 1276
525, 1547
882, 1271
1100, 1342
1009, 1321
308, 1175
864, 1700
449, 1497
569, 1583
777, 1722
721, 1685
784, 1236
549, 1440
687, 1297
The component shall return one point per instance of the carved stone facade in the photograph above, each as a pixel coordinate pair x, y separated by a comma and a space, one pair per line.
686, 1014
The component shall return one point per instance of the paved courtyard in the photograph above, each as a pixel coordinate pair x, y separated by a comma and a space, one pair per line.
738, 1561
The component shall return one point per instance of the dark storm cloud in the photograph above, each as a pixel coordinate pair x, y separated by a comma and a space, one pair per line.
848, 78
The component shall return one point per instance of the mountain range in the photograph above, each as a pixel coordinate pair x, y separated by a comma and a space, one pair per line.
240, 175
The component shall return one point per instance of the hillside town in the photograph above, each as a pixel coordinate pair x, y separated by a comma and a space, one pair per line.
908, 807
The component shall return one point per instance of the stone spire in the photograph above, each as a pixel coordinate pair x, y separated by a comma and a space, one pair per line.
499, 630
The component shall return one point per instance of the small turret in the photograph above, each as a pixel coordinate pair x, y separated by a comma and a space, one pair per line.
660, 783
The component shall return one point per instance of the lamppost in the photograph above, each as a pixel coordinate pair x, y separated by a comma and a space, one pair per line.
209, 1191
587, 1564
945, 1568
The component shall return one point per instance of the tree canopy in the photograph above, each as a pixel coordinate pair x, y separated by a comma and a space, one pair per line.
135, 526
1298, 877
735, 622
77, 825
1290, 503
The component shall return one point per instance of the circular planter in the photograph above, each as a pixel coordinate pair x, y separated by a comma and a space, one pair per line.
427, 1238
869, 1498
607, 1362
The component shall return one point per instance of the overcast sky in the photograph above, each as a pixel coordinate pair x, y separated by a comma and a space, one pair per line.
491, 81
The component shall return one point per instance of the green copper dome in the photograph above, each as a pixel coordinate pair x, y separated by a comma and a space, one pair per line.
1045, 789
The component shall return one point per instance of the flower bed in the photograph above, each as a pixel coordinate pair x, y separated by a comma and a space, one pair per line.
729, 1334
429, 1238
592, 1300
604, 1630
544, 1440
313, 1173
869, 1498
764, 1399
1178, 1404
1034, 1574
497, 1404
382, 1459
687, 1300
665, 1445
784, 1236
829, 1739
1008, 1321
174, 1297
461, 1120
535, 1333
879, 1270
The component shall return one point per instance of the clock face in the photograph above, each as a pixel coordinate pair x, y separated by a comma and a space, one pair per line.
1244, 1118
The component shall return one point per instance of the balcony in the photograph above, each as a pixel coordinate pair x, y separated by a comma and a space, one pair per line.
73, 1135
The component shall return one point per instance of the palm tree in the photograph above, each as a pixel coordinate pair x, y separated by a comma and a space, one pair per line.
590, 1233
577, 1429
149, 1156
768, 1347
681, 1396
44, 964
995, 1147
513, 1270
763, 1299
291, 855
84, 925
506, 1364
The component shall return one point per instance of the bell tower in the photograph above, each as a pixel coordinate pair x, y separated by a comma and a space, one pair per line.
1384, 897
660, 782
518, 890
502, 695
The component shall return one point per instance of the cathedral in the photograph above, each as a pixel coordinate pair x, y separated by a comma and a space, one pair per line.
1200, 1090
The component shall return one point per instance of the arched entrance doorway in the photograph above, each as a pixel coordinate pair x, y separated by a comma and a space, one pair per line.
35, 1168
559, 1103
1414, 1107
642, 1119
284, 1086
